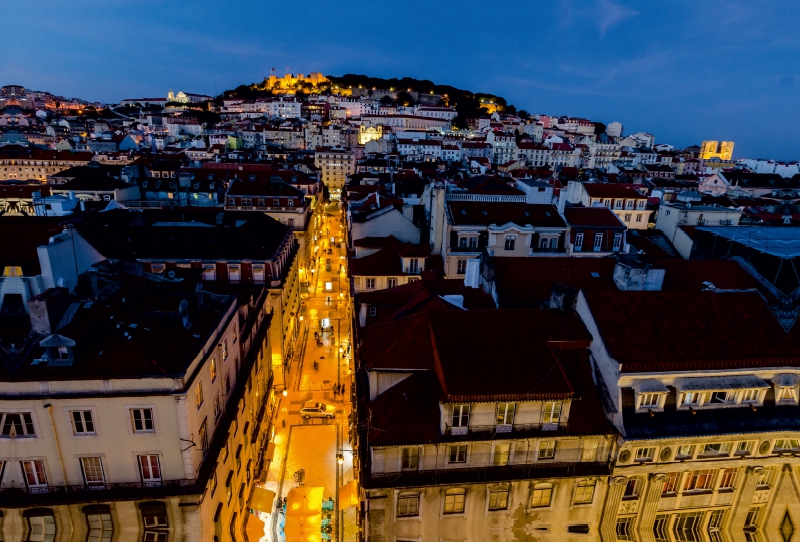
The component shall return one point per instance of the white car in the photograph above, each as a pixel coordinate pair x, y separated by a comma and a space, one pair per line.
317, 410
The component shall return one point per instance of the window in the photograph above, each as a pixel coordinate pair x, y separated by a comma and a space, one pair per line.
685, 451
93, 471
584, 492
661, 527
765, 477
212, 369
82, 423
744, 448
98, 519
629, 204
648, 400
198, 394
502, 451
505, 413
460, 415
691, 398
227, 383
461, 267
723, 397
617, 242
624, 529
715, 526
473, 242
627, 217
454, 501
17, 424
786, 395
786, 444
41, 528
408, 505
228, 486
551, 415
598, 242
462, 242
391, 283
510, 243
727, 478
142, 419
498, 497
35, 477
373, 310
154, 519
717, 448
370, 284
699, 480
217, 406
223, 348
645, 454
671, 483
547, 449
578, 241
607, 203
638, 218
458, 454
410, 458
687, 527
413, 265
632, 488
213, 482
149, 468
201, 435
542, 494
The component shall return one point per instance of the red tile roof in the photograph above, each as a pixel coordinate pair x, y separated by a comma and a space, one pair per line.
598, 190
500, 213
592, 217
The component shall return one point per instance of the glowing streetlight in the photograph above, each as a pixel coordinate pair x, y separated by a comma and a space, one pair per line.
285, 392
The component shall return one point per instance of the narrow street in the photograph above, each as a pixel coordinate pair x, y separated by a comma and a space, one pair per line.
308, 451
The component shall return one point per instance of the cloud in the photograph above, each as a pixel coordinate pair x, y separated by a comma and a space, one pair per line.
611, 14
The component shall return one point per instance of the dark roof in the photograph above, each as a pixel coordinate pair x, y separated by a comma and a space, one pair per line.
184, 234
600, 190
457, 345
663, 331
267, 188
593, 217
389, 260
654, 243
489, 184
500, 213
21, 236
376, 242
92, 183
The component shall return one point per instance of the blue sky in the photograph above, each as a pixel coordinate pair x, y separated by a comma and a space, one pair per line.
680, 69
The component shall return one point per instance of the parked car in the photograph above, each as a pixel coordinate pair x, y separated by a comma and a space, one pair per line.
317, 410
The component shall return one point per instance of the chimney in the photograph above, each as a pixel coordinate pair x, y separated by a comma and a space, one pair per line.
632, 275
47, 309
563, 297
472, 277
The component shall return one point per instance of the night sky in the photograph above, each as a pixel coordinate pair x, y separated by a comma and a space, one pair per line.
682, 70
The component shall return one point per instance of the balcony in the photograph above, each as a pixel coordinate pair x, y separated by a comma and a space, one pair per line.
517, 430
542, 251
481, 468
106, 491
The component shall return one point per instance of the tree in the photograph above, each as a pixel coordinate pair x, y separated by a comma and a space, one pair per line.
387, 100
599, 128
404, 98
523, 114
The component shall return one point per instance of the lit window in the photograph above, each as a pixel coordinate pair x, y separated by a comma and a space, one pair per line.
198, 394
727, 478
551, 415
454, 500
717, 448
542, 495
632, 488
685, 451
498, 497
584, 491
671, 483
699, 480
505, 413
547, 449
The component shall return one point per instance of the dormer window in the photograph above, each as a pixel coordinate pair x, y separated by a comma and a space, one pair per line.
651, 394
58, 349
715, 392
786, 389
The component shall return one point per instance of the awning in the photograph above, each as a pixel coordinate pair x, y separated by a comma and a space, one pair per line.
254, 528
303, 515
720, 383
649, 385
262, 500
348, 495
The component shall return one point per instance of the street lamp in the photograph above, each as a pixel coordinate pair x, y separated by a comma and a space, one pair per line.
285, 392
340, 459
